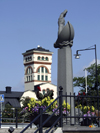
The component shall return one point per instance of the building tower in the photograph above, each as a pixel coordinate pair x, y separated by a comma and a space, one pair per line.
37, 67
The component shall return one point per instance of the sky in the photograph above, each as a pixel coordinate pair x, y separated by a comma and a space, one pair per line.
25, 24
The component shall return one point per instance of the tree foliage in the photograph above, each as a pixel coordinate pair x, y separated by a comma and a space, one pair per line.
91, 80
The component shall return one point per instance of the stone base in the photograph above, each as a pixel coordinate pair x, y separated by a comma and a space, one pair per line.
78, 129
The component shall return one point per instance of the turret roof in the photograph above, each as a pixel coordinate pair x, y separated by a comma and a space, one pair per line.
38, 49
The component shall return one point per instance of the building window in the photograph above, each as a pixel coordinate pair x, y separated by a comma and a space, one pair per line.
46, 78
43, 73
39, 70
27, 78
42, 77
42, 58
46, 71
28, 58
31, 77
43, 92
38, 57
48, 89
42, 69
46, 58
38, 77
29, 74
29, 70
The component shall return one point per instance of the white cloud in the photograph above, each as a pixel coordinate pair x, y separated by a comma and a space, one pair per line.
92, 62
81, 73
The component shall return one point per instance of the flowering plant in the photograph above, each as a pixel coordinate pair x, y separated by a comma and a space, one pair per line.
89, 114
33, 106
84, 109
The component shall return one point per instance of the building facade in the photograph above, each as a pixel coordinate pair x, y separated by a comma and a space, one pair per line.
37, 67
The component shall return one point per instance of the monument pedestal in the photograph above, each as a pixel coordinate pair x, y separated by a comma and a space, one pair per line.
65, 75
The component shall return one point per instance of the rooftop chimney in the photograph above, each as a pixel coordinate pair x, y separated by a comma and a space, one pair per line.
8, 89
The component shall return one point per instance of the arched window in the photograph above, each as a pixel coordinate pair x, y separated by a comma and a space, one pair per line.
42, 73
29, 70
46, 58
42, 58
30, 58
29, 74
42, 69
38, 57
39, 70
46, 71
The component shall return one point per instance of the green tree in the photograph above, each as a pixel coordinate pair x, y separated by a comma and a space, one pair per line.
91, 80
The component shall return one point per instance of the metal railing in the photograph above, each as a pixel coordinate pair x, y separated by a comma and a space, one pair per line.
78, 117
84, 105
84, 100
10, 119
41, 111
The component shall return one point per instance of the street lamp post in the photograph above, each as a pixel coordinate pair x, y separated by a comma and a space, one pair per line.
77, 56
86, 79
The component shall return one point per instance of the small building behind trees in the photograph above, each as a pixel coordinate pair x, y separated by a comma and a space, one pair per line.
11, 97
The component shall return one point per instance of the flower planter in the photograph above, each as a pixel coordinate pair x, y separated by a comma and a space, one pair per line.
86, 122
44, 117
